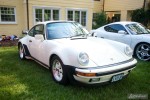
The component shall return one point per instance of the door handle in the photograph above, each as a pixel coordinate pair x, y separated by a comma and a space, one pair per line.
30, 40
102, 37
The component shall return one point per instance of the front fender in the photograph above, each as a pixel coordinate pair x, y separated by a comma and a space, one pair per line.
69, 56
24, 40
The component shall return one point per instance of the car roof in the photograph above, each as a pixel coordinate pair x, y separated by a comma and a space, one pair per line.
123, 22
45, 22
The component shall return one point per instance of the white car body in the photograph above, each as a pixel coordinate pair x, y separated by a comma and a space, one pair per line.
133, 40
106, 58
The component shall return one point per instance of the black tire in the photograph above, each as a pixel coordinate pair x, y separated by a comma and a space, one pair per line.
21, 52
59, 74
142, 51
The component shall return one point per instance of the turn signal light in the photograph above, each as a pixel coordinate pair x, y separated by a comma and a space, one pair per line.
86, 74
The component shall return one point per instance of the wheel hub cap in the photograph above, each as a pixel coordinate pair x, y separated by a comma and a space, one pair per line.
57, 70
21, 52
143, 52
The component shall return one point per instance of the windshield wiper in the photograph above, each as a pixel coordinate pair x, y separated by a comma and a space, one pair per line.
142, 33
80, 36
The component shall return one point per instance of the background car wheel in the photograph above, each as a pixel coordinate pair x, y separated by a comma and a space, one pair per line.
142, 51
21, 52
58, 71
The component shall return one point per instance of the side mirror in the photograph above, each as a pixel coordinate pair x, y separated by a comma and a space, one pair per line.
122, 32
39, 37
25, 32
92, 33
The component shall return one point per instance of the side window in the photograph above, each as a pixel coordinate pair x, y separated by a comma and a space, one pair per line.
114, 28
38, 29
31, 32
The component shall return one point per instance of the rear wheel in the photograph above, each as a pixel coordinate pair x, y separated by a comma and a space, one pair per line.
142, 51
58, 71
21, 52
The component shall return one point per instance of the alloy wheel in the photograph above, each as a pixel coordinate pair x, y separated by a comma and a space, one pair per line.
143, 52
57, 70
21, 54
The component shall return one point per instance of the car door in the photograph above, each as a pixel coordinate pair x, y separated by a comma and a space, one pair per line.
34, 44
112, 32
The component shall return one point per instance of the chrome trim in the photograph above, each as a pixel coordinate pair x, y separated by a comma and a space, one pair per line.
110, 65
116, 71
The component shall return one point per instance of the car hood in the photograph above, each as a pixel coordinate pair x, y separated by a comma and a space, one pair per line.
101, 52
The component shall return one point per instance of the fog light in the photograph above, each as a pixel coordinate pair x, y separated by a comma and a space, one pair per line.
94, 79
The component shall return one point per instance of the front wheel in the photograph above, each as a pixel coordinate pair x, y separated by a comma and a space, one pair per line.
58, 71
21, 52
142, 51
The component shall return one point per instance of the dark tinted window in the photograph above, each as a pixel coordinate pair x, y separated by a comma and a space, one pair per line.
114, 28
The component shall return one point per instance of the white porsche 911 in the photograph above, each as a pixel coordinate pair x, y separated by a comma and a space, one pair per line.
65, 48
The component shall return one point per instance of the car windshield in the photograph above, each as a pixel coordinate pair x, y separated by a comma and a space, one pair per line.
59, 30
137, 29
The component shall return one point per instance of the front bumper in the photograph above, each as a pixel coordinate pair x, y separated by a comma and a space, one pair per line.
103, 74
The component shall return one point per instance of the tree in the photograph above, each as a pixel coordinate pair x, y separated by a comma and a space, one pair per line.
148, 13
100, 20
139, 15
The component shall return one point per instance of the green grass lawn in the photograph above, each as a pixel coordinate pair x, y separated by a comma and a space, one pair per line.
30, 81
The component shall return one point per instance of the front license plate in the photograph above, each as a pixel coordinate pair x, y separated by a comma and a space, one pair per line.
117, 77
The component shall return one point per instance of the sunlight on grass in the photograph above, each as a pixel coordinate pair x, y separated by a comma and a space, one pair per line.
10, 85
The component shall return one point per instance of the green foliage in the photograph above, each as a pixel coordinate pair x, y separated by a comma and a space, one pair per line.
149, 5
148, 12
148, 15
100, 20
139, 15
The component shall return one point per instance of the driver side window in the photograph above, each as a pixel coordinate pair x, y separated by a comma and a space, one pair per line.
31, 32
114, 28
38, 29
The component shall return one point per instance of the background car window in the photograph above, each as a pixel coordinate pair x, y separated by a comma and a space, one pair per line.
114, 28
137, 29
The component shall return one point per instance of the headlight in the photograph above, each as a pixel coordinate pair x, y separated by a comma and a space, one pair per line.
128, 51
83, 58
